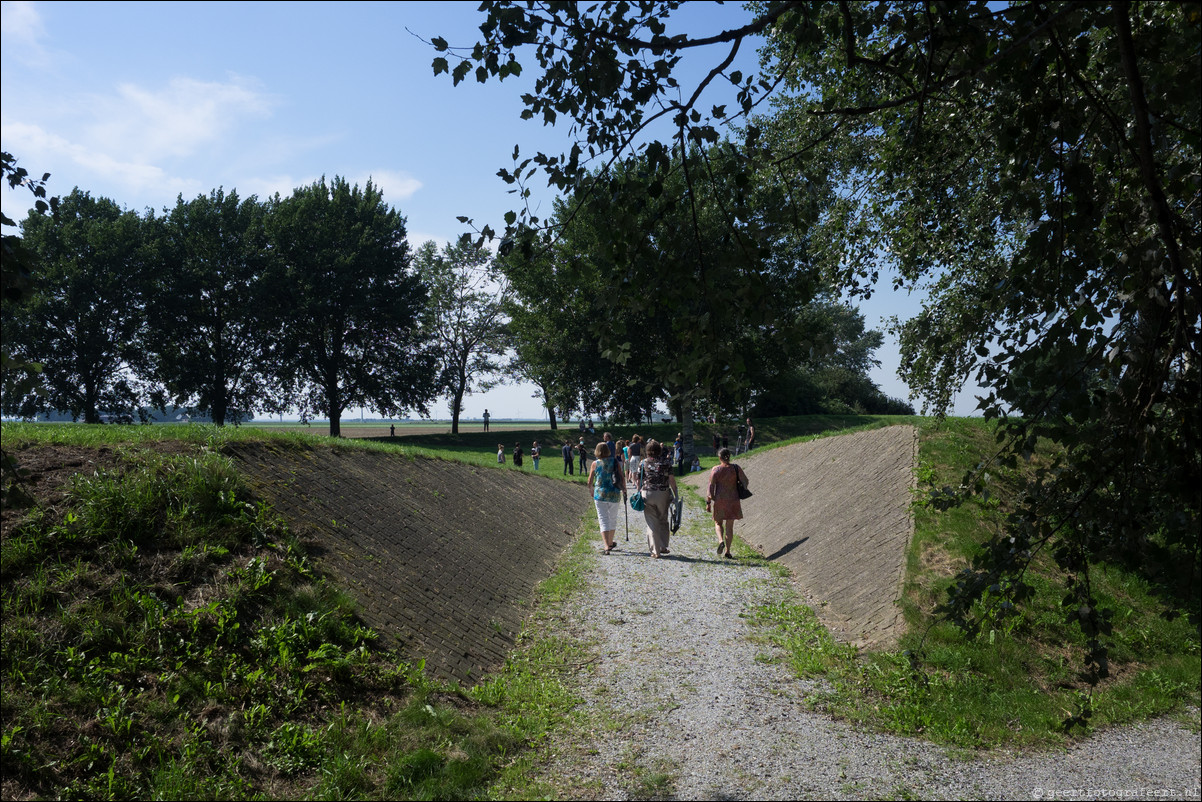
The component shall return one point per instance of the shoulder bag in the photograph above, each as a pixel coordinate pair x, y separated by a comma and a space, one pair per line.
743, 491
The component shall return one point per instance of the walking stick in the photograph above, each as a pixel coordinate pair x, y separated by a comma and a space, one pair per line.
626, 511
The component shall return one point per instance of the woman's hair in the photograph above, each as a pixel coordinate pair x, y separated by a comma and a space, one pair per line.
654, 449
602, 450
638, 438
724, 454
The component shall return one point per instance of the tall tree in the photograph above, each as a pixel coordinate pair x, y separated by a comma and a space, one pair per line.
83, 318
211, 330
466, 308
668, 293
18, 377
1033, 166
355, 333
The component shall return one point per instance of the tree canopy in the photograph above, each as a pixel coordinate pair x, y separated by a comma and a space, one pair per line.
84, 312
354, 335
467, 317
212, 327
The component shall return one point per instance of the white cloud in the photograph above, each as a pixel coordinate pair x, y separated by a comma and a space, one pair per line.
134, 139
22, 28
41, 147
396, 185
174, 121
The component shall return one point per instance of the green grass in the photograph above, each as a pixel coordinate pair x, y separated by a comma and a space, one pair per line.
165, 636
1021, 679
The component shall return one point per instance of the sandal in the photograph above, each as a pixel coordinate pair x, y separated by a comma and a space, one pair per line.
721, 547
729, 556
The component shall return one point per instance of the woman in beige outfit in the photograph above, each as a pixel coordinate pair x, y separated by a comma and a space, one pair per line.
658, 486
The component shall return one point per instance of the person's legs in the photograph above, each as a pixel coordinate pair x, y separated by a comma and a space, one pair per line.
606, 517
655, 513
721, 537
730, 534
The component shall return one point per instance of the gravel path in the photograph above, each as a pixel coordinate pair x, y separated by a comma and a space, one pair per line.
681, 704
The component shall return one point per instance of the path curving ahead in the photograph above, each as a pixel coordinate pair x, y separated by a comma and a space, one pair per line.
684, 699
836, 512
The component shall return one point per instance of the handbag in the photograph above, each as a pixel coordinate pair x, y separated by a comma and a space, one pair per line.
636, 500
743, 491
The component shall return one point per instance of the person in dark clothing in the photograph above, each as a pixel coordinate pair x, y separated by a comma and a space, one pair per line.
568, 458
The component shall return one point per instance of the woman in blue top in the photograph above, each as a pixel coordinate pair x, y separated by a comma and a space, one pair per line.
608, 484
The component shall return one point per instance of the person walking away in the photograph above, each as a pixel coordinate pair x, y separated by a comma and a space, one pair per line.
567, 457
608, 483
722, 500
535, 453
636, 455
658, 486
486, 417
500, 453
517, 455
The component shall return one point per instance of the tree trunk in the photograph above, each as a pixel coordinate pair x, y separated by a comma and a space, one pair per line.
90, 413
334, 401
686, 431
549, 407
456, 407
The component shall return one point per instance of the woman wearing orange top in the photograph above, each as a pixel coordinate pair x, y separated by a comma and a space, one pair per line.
722, 499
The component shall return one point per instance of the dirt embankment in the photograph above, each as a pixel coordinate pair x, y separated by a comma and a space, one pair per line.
442, 557
836, 511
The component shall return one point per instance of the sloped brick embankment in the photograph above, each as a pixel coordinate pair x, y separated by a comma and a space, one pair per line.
443, 558
836, 511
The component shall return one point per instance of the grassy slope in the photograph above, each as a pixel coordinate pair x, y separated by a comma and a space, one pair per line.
1020, 681
165, 637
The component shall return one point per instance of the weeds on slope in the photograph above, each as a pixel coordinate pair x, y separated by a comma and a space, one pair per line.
165, 636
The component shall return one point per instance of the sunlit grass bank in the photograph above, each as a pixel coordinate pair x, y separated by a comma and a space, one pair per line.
166, 637
1022, 679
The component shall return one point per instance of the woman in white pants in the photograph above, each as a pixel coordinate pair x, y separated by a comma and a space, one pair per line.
608, 484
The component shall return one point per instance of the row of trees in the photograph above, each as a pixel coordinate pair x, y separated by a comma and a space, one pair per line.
230, 305
314, 302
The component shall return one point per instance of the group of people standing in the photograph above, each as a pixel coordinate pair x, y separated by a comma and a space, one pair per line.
649, 468
536, 454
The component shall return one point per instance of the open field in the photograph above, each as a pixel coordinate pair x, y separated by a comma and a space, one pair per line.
406, 429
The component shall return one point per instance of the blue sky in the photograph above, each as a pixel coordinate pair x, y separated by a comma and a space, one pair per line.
140, 102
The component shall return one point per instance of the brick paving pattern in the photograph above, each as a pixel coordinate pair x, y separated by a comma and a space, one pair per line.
836, 511
441, 557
